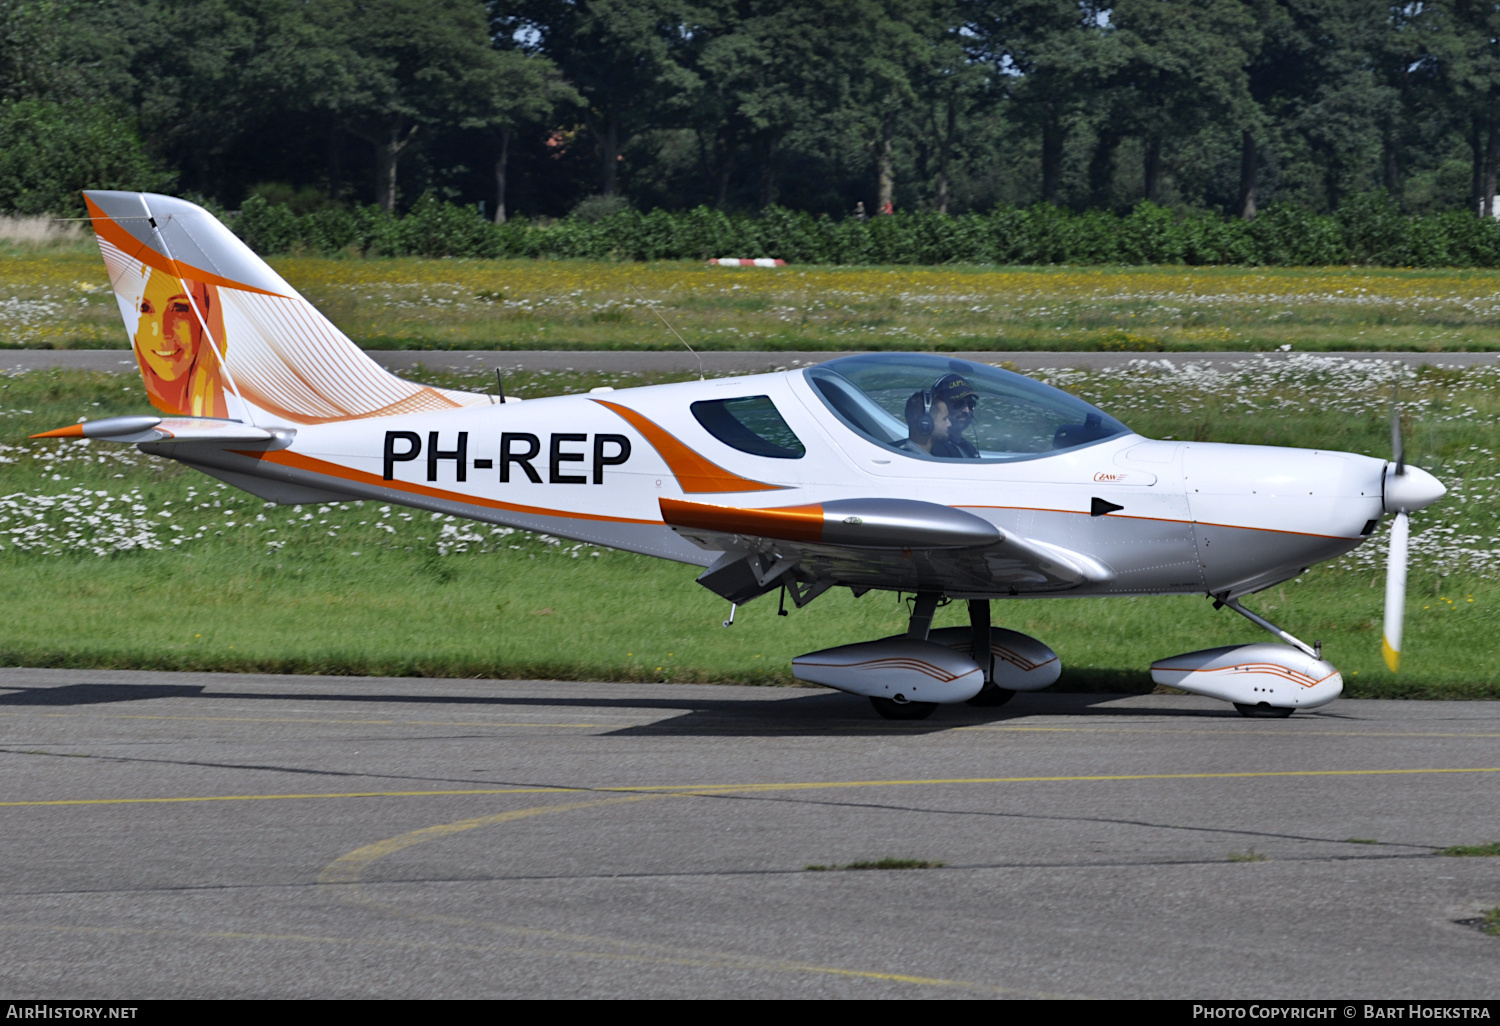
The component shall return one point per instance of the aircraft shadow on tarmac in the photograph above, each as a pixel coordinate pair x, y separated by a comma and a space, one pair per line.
814, 712
98, 694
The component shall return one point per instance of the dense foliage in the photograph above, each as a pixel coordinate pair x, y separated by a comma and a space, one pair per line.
50, 151
951, 106
1367, 230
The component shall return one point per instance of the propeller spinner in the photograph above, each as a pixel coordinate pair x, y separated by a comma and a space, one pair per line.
1407, 489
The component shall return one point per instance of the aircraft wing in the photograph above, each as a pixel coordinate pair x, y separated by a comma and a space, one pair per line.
871, 543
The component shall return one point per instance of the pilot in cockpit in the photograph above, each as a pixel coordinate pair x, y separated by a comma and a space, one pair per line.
928, 424
959, 397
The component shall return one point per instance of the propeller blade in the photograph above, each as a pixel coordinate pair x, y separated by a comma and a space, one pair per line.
1395, 592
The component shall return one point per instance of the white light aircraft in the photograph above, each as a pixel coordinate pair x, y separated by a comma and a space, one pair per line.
899, 472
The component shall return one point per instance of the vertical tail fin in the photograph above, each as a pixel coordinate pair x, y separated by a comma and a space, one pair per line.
218, 333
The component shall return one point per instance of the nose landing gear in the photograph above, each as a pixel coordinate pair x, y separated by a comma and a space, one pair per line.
1261, 680
899, 709
1263, 711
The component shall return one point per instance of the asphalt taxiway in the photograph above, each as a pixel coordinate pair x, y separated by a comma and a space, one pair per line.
177, 835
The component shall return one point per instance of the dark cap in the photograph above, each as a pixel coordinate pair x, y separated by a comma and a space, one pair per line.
953, 386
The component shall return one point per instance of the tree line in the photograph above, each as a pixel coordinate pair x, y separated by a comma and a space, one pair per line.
548, 107
1367, 229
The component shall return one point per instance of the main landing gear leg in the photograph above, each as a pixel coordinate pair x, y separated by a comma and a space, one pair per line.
979, 624
1265, 710
918, 629
920, 624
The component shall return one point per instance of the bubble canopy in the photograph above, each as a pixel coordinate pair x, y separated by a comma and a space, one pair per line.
883, 396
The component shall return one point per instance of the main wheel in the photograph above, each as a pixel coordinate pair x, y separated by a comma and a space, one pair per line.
1264, 711
991, 696
902, 710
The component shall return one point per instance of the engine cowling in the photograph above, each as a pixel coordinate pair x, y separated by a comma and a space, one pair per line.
1276, 675
901, 669
1018, 662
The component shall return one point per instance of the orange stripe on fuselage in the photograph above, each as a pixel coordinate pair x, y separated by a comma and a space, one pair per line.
286, 458
107, 229
788, 523
694, 472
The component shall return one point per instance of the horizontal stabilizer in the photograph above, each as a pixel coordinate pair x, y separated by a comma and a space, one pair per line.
164, 429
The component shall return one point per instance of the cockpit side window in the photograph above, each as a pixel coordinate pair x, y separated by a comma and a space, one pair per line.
931, 407
859, 410
750, 424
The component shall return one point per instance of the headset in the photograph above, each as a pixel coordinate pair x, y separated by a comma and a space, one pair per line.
920, 423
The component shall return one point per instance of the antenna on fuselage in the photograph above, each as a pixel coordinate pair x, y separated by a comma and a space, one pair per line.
673, 331
500, 384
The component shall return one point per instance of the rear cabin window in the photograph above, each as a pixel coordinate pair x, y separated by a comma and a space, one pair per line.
750, 424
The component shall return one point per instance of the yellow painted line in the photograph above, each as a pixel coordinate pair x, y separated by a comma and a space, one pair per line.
725, 788
345, 874
704, 961
348, 868
690, 789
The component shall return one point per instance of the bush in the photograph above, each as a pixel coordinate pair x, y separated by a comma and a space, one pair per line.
269, 229
51, 152
597, 208
1366, 230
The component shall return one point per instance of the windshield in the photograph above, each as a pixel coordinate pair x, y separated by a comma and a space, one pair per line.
932, 407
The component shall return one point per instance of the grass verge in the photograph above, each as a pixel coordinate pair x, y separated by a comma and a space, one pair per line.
59, 297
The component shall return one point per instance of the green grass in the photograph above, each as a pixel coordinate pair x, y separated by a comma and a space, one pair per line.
339, 592
1490, 922
1491, 850
885, 863
58, 297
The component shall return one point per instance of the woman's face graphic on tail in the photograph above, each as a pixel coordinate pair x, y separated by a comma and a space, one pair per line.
167, 335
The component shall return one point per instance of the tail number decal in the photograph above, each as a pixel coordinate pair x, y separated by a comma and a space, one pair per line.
517, 449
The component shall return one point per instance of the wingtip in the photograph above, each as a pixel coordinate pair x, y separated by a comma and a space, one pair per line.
71, 431
1392, 657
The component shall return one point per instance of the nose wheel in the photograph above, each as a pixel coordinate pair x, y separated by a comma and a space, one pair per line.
1262, 710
